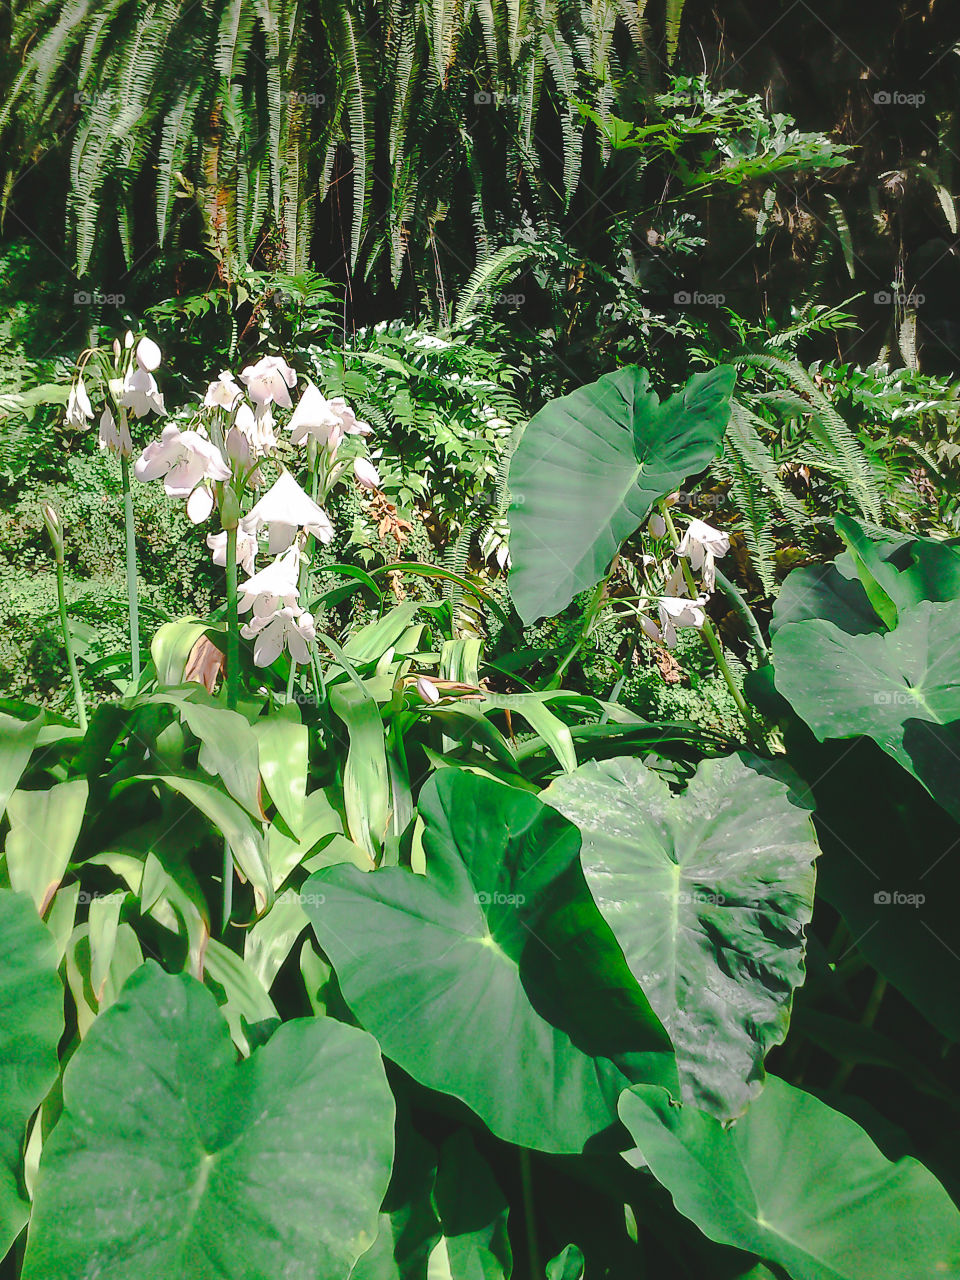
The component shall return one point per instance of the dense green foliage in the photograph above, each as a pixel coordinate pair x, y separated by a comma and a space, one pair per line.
479, 694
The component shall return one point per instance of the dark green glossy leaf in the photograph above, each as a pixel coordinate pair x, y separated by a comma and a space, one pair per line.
499, 947
798, 1184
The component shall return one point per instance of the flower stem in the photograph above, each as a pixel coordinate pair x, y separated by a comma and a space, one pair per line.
133, 603
233, 623
710, 638
68, 647
233, 680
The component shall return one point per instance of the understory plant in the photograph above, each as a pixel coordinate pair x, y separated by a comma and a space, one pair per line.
353, 950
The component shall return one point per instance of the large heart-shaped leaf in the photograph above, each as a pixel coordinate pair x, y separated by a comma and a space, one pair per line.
588, 469
708, 894
173, 1159
494, 977
901, 688
798, 1184
31, 1023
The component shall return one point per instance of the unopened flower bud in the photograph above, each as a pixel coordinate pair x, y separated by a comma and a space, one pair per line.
51, 519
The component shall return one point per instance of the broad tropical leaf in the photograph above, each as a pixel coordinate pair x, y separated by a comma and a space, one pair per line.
190, 1163
708, 894
498, 945
588, 469
799, 1184
901, 688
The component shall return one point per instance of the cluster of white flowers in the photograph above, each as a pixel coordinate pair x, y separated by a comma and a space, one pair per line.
701, 545
222, 451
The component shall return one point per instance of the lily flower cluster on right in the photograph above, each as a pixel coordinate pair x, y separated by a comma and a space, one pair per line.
688, 576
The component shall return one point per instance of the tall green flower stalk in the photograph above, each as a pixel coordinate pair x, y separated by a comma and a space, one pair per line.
133, 599
55, 530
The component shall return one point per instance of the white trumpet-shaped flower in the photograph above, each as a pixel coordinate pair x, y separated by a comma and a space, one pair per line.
675, 612
79, 409
702, 545
273, 587
116, 439
223, 392
184, 460
366, 473
269, 380
148, 355
246, 550
290, 627
350, 423
140, 394
315, 416
284, 509
258, 429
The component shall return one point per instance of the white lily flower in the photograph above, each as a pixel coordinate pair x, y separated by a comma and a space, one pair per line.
140, 393
272, 587
184, 459
268, 381
427, 690
223, 393
315, 416
650, 628
200, 504
702, 545
79, 408
366, 473
351, 424
285, 508
675, 612
258, 429
148, 355
656, 525
290, 627
246, 550
676, 584
116, 439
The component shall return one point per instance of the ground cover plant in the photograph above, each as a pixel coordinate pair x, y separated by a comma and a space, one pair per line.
479, 679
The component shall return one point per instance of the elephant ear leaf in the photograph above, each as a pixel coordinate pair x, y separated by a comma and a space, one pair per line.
692, 884
588, 470
798, 1184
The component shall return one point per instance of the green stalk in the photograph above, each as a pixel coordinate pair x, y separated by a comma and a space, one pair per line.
68, 647
589, 618
526, 1182
233, 623
233, 681
133, 603
710, 637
